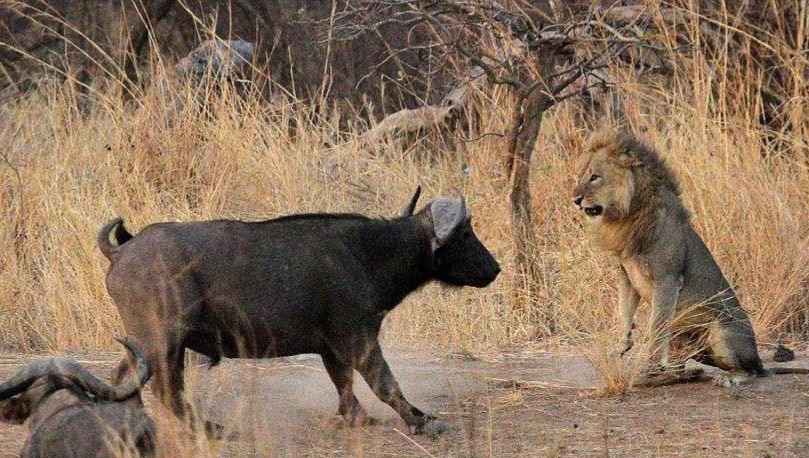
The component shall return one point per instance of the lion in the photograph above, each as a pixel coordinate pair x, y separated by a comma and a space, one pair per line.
632, 200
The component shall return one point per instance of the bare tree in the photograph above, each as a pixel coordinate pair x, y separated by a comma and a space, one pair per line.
544, 55
148, 17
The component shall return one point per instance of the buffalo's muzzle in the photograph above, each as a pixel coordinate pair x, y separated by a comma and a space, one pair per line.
490, 275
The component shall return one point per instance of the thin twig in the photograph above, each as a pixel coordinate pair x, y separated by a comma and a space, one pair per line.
419, 446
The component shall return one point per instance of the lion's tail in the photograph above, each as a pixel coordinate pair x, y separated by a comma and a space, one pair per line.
787, 370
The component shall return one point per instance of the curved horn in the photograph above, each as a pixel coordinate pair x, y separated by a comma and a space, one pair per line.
411, 207
463, 215
141, 371
66, 372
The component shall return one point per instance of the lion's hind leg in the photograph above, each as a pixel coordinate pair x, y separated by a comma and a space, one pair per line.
718, 376
694, 371
675, 375
731, 379
733, 351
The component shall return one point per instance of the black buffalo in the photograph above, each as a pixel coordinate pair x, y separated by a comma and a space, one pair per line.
72, 413
311, 283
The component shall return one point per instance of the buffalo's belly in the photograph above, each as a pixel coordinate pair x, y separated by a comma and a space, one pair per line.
255, 332
279, 308
229, 344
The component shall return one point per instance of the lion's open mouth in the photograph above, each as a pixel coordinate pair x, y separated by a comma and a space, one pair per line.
595, 210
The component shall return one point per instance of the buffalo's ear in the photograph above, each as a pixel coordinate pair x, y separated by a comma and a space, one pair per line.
447, 215
411, 207
14, 411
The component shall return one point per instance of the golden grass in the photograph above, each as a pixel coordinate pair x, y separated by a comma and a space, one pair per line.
64, 173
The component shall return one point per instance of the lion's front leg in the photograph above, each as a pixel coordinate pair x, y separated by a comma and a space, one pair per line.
628, 299
664, 305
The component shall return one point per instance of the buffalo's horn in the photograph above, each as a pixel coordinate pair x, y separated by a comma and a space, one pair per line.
66, 372
411, 206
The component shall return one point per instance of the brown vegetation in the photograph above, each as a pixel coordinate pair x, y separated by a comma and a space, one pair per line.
66, 171
74, 155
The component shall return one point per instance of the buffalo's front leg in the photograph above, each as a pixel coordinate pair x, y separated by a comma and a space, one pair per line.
377, 374
342, 375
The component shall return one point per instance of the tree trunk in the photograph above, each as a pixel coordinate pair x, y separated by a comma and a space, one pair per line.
139, 36
522, 140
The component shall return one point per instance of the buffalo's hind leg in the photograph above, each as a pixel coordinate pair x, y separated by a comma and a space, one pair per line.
169, 387
377, 374
342, 375
168, 383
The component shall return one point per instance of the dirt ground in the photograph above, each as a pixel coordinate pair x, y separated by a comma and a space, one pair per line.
286, 408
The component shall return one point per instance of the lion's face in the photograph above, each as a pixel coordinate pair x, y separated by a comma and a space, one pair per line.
605, 186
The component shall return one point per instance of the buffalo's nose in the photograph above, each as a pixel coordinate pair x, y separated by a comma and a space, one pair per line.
577, 200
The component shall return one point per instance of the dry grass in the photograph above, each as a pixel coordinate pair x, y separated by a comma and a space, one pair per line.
64, 173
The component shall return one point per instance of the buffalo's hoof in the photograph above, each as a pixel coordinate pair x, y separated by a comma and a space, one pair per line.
359, 420
431, 427
355, 416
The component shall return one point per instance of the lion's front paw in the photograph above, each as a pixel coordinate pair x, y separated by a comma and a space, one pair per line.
653, 369
621, 349
625, 346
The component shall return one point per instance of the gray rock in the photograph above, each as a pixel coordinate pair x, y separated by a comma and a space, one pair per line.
783, 354
219, 57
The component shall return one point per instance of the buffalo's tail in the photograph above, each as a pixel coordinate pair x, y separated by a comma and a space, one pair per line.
121, 236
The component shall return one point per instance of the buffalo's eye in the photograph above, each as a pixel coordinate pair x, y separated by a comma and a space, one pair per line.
594, 178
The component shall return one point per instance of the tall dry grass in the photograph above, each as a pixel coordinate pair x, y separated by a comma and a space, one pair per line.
66, 170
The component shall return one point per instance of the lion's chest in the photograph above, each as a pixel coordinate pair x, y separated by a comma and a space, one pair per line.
640, 277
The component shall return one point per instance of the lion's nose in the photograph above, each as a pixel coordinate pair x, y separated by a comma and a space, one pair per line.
577, 200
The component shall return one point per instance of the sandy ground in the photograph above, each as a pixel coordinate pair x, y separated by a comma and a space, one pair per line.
286, 408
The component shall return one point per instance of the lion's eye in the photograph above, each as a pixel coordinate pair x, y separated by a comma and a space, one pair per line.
594, 178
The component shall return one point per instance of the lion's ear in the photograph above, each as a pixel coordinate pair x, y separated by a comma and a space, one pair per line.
629, 161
